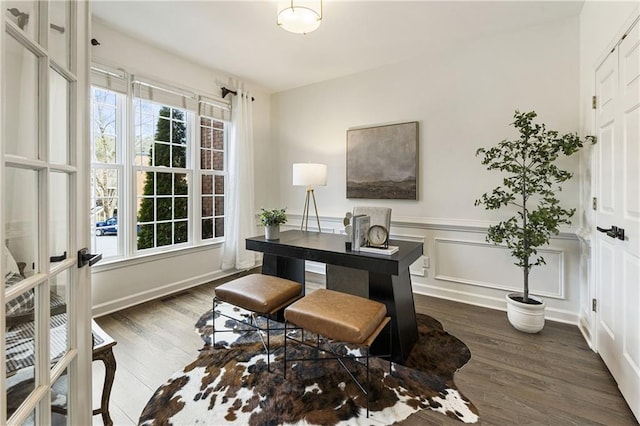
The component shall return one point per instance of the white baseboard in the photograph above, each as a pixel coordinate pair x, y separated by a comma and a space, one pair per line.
585, 329
145, 296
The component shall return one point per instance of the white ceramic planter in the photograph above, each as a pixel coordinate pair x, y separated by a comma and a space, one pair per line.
272, 232
525, 317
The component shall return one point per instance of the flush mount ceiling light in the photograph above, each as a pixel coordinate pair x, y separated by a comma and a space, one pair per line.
300, 16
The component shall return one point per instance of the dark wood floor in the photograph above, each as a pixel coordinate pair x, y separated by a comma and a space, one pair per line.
551, 378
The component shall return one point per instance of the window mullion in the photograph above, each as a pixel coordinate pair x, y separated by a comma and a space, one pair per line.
131, 178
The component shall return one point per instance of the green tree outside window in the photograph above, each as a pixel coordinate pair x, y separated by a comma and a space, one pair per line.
170, 189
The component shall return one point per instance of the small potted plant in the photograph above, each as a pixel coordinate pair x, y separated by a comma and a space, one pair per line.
271, 220
531, 181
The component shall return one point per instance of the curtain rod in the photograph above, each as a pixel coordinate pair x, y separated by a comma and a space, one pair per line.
226, 91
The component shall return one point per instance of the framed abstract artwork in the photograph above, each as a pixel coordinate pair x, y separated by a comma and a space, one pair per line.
382, 162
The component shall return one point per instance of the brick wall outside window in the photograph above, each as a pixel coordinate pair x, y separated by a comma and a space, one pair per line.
212, 163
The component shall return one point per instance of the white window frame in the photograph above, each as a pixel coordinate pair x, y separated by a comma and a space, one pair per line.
188, 170
202, 172
195, 106
119, 165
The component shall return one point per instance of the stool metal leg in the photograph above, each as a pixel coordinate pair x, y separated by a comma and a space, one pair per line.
213, 315
268, 346
285, 348
390, 350
368, 383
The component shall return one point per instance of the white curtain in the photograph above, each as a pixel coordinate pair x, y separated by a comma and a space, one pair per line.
240, 215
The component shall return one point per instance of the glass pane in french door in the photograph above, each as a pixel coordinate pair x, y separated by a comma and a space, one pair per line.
21, 219
31, 419
21, 261
59, 392
59, 302
20, 351
21, 99
24, 14
58, 118
59, 215
59, 32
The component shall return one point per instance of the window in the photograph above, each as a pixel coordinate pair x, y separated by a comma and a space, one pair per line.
106, 170
212, 165
163, 175
165, 188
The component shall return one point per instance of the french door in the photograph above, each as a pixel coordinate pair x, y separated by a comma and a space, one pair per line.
617, 245
45, 304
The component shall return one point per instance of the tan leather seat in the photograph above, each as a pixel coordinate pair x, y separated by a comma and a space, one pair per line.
263, 295
259, 293
338, 316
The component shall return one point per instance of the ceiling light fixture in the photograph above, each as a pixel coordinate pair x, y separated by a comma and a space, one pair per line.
300, 16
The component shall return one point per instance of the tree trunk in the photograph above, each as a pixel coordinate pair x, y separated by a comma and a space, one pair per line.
525, 298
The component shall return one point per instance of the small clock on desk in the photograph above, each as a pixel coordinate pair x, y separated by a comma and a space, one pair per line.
378, 237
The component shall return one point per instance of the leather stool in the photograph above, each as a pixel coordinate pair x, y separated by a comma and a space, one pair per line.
339, 317
262, 295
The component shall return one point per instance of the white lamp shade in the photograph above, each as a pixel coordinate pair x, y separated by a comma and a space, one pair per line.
309, 174
300, 16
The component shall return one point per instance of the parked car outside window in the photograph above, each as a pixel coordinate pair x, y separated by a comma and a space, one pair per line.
107, 227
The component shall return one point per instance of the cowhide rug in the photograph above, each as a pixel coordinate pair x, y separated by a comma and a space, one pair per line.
229, 383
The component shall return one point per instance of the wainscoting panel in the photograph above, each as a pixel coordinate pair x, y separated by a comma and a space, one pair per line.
488, 265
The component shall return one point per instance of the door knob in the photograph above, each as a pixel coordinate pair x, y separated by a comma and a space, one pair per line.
613, 232
60, 258
86, 258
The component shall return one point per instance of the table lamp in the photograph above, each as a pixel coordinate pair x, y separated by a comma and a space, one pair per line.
309, 174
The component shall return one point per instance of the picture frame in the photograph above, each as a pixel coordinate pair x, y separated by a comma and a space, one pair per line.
382, 162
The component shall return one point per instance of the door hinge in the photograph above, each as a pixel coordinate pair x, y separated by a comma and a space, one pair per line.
594, 305
594, 203
594, 102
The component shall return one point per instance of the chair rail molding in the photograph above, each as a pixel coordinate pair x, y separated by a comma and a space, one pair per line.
430, 223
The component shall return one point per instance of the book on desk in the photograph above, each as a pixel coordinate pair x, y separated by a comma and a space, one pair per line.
380, 250
360, 227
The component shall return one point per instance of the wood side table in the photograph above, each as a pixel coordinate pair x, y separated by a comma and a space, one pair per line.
104, 352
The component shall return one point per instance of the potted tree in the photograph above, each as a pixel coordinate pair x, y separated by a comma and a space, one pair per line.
529, 188
271, 220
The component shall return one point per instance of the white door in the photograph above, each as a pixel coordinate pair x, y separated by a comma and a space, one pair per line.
45, 339
617, 250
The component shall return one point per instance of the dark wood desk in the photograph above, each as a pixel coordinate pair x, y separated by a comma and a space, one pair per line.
388, 276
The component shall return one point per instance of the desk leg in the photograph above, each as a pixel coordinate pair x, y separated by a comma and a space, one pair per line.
395, 292
284, 267
110, 372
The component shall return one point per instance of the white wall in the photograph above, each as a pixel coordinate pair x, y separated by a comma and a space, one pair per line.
463, 99
601, 26
129, 282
